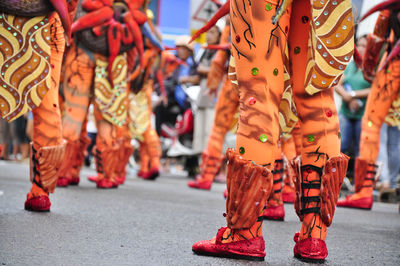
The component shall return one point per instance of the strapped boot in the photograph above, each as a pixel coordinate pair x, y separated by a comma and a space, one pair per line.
288, 192
45, 163
209, 168
249, 186
274, 207
317, 192
106, 159
365, 179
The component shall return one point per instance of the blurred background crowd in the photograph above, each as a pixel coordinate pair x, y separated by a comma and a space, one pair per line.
184, 115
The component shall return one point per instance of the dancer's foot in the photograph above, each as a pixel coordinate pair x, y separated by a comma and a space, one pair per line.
238, 244
37, 200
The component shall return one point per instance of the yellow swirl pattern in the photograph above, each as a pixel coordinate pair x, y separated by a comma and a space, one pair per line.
331, 43
139, 115
393, 116
287, 108
112, 101
25, 70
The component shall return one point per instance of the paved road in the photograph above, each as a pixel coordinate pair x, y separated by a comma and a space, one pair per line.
155, 223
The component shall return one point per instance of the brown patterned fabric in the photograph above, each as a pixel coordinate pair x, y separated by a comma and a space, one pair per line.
25, 69
331, 43
45, 163
249, 186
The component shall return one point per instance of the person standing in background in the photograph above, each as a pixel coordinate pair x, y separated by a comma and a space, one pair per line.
354, 90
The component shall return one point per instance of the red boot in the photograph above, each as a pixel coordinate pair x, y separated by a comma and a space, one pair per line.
252, 249
288, 192
274, 208
209, 168
364, 176
44, 164
242, 239
62, 182
93, 178
317, 194
310, 249
106, 159
74, 181
152, 174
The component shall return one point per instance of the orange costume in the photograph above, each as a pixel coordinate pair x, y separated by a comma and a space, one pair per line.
383, 104
262, 33
107, 43
140, 110
31, 50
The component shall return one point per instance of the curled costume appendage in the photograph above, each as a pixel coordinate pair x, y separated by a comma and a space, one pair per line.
45, 163
317, 192
248, 186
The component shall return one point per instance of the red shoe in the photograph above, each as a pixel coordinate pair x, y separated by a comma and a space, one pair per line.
199, 184
120, 179
74, 181
310, 249
253, 249
106, 184
140, 173
225, 193
276, 213
152, 174
38, 204
93, 178
288, 197
62, 182
362, 203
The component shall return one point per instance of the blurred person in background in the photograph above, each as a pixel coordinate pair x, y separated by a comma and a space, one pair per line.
354, 90
205, 101
176, 103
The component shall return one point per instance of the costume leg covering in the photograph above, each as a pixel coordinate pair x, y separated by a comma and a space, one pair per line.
384, 91
260, 76
321, 167
48, 147
227, 106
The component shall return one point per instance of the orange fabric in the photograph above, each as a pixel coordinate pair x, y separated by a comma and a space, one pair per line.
296, 135
384, 90
47, 117
260, 69
289, 148
225, 110
275, 198
319, 123
153, 146
258, 49
237, 235
312, 225
144, 157
77, 88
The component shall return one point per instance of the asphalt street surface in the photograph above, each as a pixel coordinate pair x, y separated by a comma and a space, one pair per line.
156, 223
